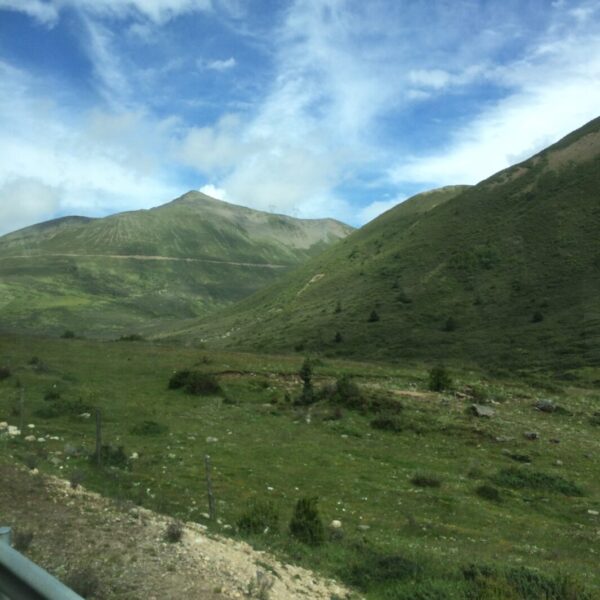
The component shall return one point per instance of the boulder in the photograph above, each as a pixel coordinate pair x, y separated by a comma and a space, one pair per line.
531, 435
546, 406
481, 410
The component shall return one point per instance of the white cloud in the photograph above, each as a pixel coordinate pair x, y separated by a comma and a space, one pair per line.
213, 191
46, 14
158, 11
220, 65
556, 91
25, 201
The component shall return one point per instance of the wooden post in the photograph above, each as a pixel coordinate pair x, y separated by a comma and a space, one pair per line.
98, 437
22, 411
212, 509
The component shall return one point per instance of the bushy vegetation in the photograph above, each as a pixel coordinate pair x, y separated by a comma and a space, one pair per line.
439, 379
112, 456
148, 428
5, 373
306, 525
174, 532
535, 480
488, 492
63, 407
259, 517
426, 480
196, 383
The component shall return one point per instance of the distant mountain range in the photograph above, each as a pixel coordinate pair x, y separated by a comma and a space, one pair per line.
506, 272
135, 270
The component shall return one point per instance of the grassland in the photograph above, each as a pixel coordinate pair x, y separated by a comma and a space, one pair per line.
401, 537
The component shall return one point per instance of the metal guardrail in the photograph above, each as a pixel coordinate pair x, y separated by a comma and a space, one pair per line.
22, 579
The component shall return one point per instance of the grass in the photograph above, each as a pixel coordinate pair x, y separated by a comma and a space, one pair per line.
268, 451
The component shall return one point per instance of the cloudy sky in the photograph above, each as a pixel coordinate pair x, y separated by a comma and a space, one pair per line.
307, 107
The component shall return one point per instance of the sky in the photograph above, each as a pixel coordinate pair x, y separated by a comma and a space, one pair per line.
311, 108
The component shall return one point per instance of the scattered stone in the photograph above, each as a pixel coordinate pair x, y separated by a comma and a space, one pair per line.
70, 450
480, 410
211, 440
41, 439
531, 435
502, 439
134, 456
31, 425
546, 406
85, 415
55, 461
13, 430
30, 438
335, 524
594, 513
558, 462
364, 527
554, 441
3, 425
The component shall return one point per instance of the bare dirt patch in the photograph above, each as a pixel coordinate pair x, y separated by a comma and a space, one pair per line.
125, 547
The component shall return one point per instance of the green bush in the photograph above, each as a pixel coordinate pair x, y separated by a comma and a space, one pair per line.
307, 395
535, 480
196, 383
68, 334
174, 532
488, 492
387, 423
5, 373
148, 428
83, 581
426, 480
259, 517
439, 379
306, 525
132, 337
373, 317
111, 456
63, 408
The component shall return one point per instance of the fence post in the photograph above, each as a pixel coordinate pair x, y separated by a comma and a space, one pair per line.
98, 437
212, 510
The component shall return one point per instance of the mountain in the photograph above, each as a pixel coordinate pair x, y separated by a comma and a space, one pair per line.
135, 269
506, 272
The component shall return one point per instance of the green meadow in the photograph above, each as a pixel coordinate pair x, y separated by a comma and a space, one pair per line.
434, 502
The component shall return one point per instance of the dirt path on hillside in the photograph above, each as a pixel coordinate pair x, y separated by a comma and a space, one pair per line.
157, 258
124, 548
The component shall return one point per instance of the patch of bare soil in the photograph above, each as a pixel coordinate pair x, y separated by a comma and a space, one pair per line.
121, 552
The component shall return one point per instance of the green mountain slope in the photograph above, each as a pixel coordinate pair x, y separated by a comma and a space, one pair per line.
138, 269
506, 272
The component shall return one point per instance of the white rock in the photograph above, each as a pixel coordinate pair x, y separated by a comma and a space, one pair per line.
85, 415
335, 524
134, 456
594, 513
3, 425
13, 430
41, 439
31, 426
30, 438
211, 440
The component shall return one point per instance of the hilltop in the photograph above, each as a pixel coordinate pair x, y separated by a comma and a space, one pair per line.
119, 273
504, 272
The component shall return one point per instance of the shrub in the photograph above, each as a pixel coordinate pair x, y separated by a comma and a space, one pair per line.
76, 478
387, 423
535, 480
22, 540
439, 379
450, 324
196, 383
5, 373
488, 492
373, 317
259, 517
537, 317
308, 394
595, 419
68, 334
426, 480
179, 379
61, 408
306, 525
338, 337
174, 532
52, 394
83, 581
148, 428
112, 456
131, 337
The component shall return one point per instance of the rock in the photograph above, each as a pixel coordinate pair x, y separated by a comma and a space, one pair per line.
41, 439
480, 410
554, 441
134, 456
594, 513
70, 450
85, 415
335, 524
503, 439
13, 430
364, 527
531, 435
3, 425
30, 438
546, 406
211, 440
558, 462
31, 425
56, 461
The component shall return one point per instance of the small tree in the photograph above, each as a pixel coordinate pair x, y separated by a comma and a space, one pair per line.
439, 379
305, 373
338, 337
537, 317
338, 307
306, 525
373, 317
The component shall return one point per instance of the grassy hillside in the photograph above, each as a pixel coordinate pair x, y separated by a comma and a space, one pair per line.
505, 272
127, 271
433, 501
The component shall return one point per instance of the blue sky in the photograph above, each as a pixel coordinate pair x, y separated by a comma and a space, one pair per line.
314, 108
